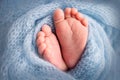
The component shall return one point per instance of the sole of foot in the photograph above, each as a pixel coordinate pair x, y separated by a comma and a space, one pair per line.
72, 32
49, 48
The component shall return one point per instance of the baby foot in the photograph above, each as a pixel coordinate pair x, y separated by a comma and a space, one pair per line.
72, 31
48, 46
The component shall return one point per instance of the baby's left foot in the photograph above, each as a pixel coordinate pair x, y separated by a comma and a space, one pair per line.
72, 31
48, 46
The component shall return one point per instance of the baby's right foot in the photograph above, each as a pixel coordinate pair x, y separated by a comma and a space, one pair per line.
72, 31
49, 48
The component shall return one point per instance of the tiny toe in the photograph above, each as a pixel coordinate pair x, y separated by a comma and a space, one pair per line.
46, 29
67, 12
85, 22
82, 19
79, 16
40, 33
41, 48
74, 11
58, 15
40, 40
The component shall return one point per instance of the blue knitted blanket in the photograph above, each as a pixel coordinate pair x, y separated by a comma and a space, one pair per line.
20, 20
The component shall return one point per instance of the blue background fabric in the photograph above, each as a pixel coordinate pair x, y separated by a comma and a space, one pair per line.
20, 20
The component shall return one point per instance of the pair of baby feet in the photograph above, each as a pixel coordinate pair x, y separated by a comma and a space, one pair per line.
65, 50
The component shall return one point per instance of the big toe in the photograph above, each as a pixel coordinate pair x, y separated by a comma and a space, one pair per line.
58, 16
47, 30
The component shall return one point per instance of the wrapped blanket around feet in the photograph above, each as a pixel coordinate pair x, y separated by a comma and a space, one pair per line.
19, 59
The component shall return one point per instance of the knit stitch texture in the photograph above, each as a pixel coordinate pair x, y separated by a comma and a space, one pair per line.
20, 20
